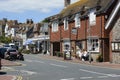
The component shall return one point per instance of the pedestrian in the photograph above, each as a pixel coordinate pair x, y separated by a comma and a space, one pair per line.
85, 56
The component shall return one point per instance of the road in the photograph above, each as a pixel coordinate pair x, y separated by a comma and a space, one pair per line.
37, 68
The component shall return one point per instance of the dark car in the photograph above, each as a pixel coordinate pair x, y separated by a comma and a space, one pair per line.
11, 54
2, 52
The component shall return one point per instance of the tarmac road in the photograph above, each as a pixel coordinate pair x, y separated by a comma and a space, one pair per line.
36, 67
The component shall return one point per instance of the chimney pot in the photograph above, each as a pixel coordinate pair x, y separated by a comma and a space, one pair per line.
67, 2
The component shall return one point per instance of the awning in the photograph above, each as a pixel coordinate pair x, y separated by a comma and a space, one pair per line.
29, 41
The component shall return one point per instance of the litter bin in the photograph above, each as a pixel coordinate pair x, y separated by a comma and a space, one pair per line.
67, 55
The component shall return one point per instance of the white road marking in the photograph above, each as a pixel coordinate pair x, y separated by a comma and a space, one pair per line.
86, 77
38, 61
58, 65
95, 72
7, 69
105, 75
68, 79
28, 72
27, 60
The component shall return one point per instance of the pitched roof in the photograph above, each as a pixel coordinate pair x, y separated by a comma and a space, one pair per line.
85, 5
114, 14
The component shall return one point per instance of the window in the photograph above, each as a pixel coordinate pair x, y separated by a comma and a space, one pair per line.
77, 20
55, 26
65, 24
115, 46
92, 18
93, 44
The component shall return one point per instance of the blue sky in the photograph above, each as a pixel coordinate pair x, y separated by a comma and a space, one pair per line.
30, 9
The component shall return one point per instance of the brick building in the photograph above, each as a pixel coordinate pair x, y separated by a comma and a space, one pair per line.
81, 25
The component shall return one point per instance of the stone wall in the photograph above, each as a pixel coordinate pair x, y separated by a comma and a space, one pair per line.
116, 37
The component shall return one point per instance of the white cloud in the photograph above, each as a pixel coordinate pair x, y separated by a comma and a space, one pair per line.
38, 5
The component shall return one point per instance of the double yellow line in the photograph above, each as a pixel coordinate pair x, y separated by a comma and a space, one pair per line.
19, 78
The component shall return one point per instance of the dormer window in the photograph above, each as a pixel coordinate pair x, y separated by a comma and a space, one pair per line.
92, 17
54, 26
77, 20
65, 24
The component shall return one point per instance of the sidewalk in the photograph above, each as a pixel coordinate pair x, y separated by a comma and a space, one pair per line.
101, 64
3, 75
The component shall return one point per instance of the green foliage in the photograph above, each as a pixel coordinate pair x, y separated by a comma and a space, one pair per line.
26, 51
99, 58
4, 39
59, 54
46, 20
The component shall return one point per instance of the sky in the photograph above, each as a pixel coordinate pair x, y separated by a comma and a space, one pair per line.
37, 10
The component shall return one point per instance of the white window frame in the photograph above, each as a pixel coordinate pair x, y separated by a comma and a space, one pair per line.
92, 17
77, 20
65, 24
54, 26
93, 44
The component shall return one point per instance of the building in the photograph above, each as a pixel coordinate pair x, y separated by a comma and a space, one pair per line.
81, 25
113, 26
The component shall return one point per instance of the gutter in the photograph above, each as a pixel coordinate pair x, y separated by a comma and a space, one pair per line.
114, 12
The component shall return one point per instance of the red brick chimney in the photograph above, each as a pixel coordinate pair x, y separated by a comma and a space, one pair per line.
67, 2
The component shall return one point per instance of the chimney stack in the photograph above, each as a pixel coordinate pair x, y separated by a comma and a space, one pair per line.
66, 3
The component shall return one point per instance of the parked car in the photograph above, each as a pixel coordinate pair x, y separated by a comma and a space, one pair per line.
11, 54
7, 46
2, 52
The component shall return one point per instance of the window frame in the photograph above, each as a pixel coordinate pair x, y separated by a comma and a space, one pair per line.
91, 44
115, 46
77, 20
65, 23
54, 26
92, 17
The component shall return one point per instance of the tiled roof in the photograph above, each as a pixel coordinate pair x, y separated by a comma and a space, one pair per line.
84, 5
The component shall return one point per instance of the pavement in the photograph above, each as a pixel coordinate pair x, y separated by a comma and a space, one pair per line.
4, 76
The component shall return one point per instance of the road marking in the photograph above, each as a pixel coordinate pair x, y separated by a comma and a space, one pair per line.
105, 75
58, 65
27, 60
68, 79
95, 72
39, 61
28, 72
7, 69
86, 77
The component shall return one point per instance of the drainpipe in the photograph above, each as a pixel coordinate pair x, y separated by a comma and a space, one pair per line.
102, 45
